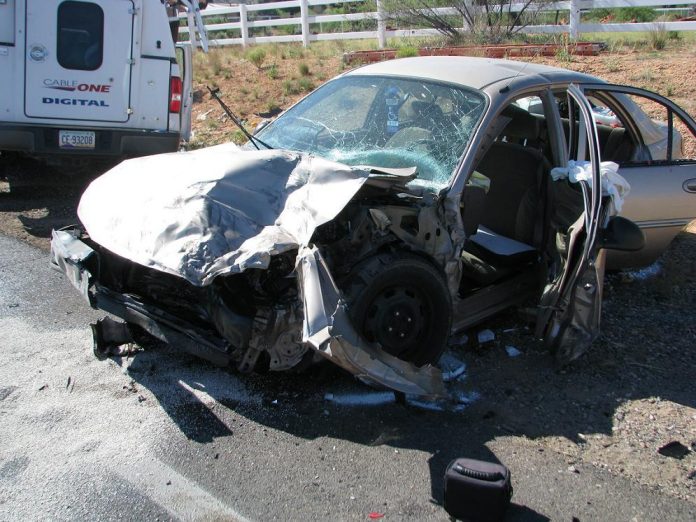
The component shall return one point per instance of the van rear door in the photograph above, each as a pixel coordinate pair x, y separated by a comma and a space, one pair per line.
78, 60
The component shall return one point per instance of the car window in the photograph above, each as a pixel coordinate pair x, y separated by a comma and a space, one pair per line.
80, 35
384, 122
531, 104
651, 122
633, 129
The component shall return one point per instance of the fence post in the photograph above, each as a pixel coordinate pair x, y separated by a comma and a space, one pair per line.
192, 30
381, 26
243, 24
574, 22
304, 21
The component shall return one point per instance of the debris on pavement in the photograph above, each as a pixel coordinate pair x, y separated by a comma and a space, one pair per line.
454, 374
485, 336
512, 351
361, 399
452, 368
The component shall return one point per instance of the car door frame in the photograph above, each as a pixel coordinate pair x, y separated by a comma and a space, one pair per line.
570, 306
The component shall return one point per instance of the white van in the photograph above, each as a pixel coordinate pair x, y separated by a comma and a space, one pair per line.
91, 77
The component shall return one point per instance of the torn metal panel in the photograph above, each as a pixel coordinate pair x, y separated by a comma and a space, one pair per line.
68, 255
328, 329
214, 211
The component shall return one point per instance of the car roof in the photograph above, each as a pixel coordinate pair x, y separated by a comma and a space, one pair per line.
478, 73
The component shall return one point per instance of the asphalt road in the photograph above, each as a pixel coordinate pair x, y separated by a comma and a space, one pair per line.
160, 435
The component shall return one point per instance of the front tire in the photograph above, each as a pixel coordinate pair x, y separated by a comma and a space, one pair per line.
401, 303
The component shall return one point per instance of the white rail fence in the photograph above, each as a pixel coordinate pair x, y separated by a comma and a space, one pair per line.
305, 20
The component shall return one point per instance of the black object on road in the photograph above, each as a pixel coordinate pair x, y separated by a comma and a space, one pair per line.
477, 491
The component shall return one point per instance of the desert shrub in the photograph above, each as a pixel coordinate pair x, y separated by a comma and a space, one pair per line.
305, 84
406, 52
486, 21
239, 137
272, 72
215, 62
303, 68
290, 87
658, 36
612, 64
256, 56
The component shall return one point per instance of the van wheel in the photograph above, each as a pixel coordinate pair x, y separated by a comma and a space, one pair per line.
401, 303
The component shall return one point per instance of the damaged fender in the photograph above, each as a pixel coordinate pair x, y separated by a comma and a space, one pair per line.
328, 330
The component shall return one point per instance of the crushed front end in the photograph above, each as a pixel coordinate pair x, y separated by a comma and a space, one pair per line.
223, 264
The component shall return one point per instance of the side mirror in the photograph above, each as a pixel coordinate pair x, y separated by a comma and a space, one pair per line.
621, 234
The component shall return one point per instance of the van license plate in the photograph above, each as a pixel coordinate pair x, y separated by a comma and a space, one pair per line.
76, 139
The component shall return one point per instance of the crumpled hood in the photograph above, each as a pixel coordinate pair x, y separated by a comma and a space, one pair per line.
213, 211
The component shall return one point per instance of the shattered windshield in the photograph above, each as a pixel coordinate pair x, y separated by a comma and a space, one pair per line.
383, 122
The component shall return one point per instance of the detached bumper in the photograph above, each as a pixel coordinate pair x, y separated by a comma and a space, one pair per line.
73, 258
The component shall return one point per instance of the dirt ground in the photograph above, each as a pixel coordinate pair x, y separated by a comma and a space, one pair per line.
631, 395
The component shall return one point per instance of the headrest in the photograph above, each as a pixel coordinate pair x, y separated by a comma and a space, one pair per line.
427, 110
522, 124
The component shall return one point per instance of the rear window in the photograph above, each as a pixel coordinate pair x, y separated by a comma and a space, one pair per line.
80, 36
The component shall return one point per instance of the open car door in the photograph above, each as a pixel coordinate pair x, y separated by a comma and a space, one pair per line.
570, 306
658, 139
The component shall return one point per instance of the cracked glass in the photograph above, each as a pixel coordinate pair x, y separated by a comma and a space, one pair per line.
383, 122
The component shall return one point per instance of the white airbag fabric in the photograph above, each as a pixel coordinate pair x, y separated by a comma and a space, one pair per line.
613, 183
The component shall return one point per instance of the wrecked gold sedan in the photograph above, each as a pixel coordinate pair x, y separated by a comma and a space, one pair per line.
395, 205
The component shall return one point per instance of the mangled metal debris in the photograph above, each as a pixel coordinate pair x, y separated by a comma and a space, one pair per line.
245, 210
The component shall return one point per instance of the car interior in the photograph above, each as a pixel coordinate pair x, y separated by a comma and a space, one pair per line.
508, 220
615, 141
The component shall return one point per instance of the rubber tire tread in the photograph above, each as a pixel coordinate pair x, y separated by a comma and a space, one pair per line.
370, 275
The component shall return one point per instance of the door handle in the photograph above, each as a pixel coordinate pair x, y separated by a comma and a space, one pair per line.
690, 185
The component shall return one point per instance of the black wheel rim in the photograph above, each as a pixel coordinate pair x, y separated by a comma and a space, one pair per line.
398, 319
